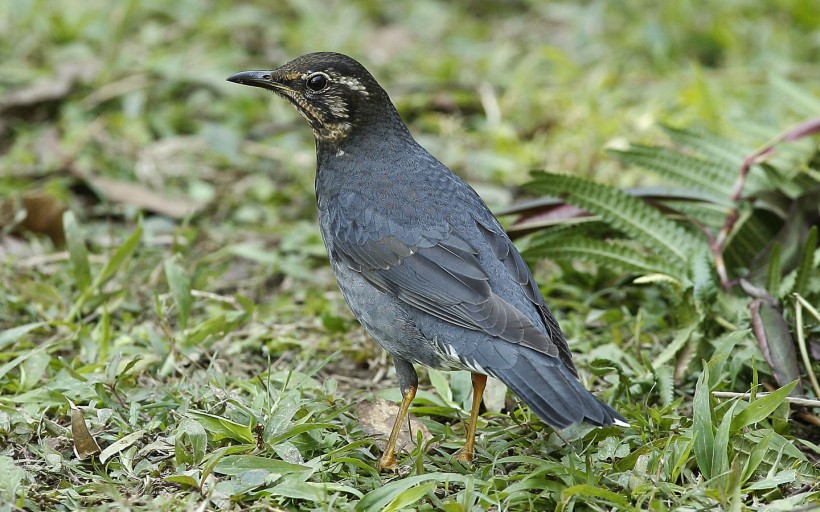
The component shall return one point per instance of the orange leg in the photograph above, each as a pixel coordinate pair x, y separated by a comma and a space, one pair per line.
388, 459
466, 452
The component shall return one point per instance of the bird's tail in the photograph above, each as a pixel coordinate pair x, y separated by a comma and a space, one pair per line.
554, 394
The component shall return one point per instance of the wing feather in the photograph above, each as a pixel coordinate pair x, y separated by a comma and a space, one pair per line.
442, 277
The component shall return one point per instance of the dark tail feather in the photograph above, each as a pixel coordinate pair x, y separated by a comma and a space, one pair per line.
554, 394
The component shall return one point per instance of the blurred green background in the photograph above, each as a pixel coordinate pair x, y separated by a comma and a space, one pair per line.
120, 113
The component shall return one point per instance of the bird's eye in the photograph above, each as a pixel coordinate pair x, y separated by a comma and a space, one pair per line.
317, 82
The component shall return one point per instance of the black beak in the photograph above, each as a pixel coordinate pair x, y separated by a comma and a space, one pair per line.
255, 79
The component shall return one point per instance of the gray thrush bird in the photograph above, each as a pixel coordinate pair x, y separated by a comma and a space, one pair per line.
420, 259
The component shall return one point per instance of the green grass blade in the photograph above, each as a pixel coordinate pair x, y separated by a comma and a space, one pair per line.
410, 496
118, 259
761, 407
10, 336
806, 268
720, 449
377, 499
179, 283
702, 425
221, 428
591, 491
238, 464
773, 277
77, 251
756, 456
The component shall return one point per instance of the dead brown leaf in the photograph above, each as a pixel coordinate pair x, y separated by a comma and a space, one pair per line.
134, 194
85, 445
44, 214
49, 89
377, 417
38, 212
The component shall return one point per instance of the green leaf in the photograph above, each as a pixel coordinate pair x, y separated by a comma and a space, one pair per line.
410, 496
237, 464
756, 456
774, 276
190, 442
761, 407
591, 491
10, 336
724, 346
221, 428
299, 429
441, 384
120, 256
77, 251
120, 445
806, 268
776, 342
771, 482
183, 480
678, 342
280, 420
702, 425
11, 480
720, 449
7, 367
380, 497
110, 268
213, 458
316, 492
179, 283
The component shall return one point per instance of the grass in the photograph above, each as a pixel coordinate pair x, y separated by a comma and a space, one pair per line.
189, 318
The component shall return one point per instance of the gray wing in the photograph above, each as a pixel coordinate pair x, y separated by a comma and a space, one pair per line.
517, 268
442, 276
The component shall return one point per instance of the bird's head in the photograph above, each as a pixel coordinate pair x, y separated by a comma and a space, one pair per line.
333, 92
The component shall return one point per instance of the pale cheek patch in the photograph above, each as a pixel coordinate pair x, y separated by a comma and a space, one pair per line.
352, 83
337, 106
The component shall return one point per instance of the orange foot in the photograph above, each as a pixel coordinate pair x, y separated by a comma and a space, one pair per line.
388, 463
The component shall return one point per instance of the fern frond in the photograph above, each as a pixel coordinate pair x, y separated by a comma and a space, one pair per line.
628, 214
704, 278
753, 232
666, 385
800, 100
687, 170
710, 146
710, 215
614, 256
593, 228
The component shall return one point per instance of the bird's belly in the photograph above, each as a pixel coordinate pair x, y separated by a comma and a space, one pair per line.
392, 323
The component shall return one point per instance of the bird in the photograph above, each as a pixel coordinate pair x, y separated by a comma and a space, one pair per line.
421, 261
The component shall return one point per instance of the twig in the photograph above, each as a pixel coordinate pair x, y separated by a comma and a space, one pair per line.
717, 246
804, 402
799, 304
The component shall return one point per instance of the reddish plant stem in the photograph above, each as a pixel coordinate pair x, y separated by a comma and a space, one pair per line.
718, 244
